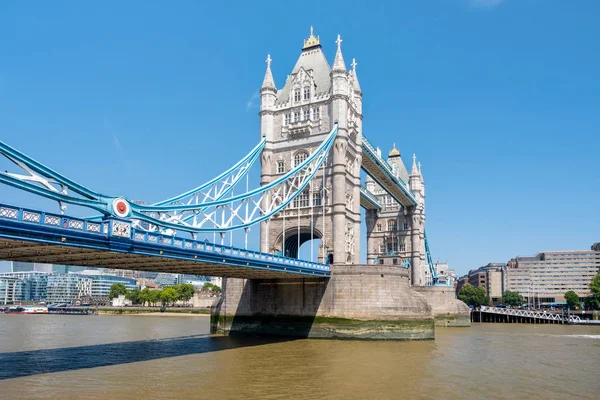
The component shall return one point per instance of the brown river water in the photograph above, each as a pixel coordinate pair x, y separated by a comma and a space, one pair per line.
159, 357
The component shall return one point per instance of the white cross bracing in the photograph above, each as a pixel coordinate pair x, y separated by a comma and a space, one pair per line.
239, 211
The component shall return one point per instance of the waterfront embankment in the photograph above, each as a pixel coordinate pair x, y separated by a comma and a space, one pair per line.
156, 311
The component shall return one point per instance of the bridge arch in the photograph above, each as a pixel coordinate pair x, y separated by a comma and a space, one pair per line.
295, 239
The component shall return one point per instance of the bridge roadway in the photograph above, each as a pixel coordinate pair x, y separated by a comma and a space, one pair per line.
36, 236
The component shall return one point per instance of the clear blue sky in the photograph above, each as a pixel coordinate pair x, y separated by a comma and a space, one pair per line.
499, 99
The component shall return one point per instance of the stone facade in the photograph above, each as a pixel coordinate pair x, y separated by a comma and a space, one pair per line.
358, 302
295, 120
397, 233
447, 309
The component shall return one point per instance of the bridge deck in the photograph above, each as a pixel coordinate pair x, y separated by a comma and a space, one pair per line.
35, 236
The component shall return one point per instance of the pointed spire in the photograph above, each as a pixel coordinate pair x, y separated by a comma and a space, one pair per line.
268, 82
414, 170
338, 63
394, 152
354, 76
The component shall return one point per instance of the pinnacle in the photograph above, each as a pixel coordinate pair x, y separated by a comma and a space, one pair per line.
338, 63
268, 82
414, 170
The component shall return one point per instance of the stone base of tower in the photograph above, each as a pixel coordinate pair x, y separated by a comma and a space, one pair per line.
357, 302
447, 309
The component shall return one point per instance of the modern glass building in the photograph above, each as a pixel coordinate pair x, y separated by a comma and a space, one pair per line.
11, 290
66, 288
101, 283
166, 279
19, 266
34, 284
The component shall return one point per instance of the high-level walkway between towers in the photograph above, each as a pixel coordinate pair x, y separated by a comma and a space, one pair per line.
381, 171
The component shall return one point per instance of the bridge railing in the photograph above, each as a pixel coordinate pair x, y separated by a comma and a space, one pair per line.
229, 251
530, 314
123, 229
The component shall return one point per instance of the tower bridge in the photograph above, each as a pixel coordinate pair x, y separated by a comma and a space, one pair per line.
312, 151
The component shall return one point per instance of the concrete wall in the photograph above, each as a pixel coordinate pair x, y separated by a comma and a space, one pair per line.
447, 309
358, 301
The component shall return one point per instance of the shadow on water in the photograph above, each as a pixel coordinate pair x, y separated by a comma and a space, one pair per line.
26, 363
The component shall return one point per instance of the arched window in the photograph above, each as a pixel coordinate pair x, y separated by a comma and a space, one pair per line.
300, 157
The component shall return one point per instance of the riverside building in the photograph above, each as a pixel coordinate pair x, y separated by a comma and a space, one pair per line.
543, 278
546, 276
101, 282
33, 284
66, 288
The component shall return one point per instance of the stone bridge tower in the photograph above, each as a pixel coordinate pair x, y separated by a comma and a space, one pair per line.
295, 120
396, 233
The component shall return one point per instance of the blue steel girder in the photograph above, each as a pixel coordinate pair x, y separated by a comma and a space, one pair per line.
434, 275
36, 236
378, 169
368, 200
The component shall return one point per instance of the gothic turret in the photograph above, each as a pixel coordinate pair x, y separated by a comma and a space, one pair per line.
268, 82
268, 96
414, 180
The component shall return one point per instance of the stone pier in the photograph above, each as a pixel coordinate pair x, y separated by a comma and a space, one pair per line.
447, 309
357, 302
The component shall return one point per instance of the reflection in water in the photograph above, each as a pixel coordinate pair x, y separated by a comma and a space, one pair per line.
123, 356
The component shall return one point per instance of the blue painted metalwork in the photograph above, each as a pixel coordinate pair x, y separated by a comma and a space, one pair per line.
243, 210
368, 200
220, 215
369, 151
117, 235
434, 275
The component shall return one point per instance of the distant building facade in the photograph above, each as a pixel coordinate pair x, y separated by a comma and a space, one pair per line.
67, 287
101, 282
33, 284
11, 290
543, 278
548, 275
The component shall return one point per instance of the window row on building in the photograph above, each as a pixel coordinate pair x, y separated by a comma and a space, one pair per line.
391, 225
303, 114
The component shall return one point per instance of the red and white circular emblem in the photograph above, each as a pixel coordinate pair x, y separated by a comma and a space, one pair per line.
120, 207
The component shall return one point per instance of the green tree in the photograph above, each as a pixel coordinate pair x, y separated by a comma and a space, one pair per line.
168, 295
133, 295
209, 287
572, 299
595, 287
154, 296
144, 296
591, 303
185, 291
512, 299
473, 296
116, 290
